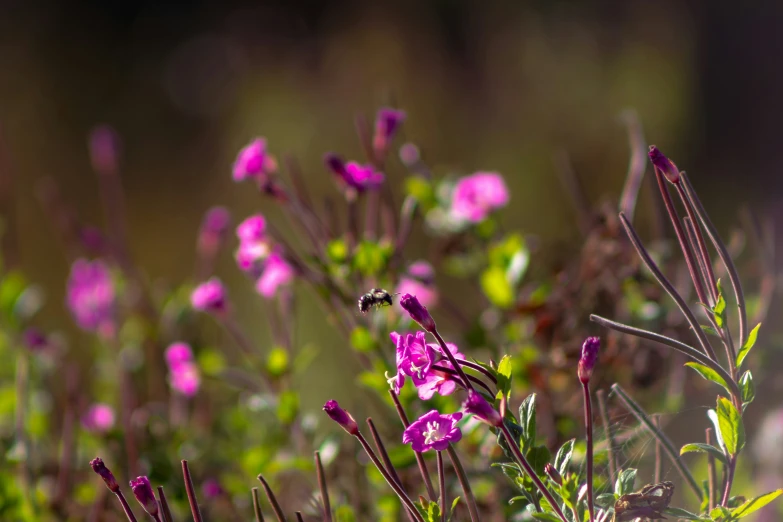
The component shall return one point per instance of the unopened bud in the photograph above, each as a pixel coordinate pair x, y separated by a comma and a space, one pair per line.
341, 417
418, 312
108, 477
553, 474
588, 359
664, 164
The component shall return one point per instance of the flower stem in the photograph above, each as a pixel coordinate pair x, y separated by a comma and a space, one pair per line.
453, 361
711, 475
319, 470
126, 507
425, 474
257, 505
462, 477
386, 460
272, 500
191, 492
441, 486
453, 372
164, 505
589, 450
604, 413
512, 443
478, 368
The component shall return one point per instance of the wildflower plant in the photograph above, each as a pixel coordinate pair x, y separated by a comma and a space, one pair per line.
470, 422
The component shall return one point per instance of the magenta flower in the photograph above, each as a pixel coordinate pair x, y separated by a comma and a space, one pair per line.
418, 312
99, 418
254, 162
478, 406
588, 359
178, 354
353, 175
252, 229
414, 358
664, 164
185, 378
90, 296
212, 488
210, 297
213, 230
433, 431
250, 257
341, 417
477, 195
142, 490
387, 122
105, 473
277, 272
419, 282
437, 381
104, 146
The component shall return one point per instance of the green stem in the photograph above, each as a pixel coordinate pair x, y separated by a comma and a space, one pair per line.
442, 487
462, 477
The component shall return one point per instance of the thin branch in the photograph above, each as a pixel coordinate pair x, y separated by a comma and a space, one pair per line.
257, 505
604, 413
379, 446
164, 505
636, 164
191, 492
272, 500
442, 487
425, 474
319, 471
462, 477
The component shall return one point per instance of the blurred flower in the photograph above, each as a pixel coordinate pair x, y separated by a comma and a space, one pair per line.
212, 488
184, 375
92, 239
209, 297
250, 257
387, 122
417, 312
341, 417
478, 406
419, 282
213, 230
105, 473
252, 229
664, 164
353, 175
409, 155
99, 418
277, 272
90, 296
177, 354
103, 144
142, 490
253, 161
477, 195
433, 431
35, 340
589, 357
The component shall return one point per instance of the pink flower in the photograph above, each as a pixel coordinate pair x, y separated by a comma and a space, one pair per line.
142, 490
418, 312
433, 431
253, 161
90, 296
209, 296
212, 488
387, 122
250, 257
35, 340
185, 378
588, 358
252, 229
178, 354
352, 174
437, 381
277, 272
477, 195
415, 358
478, 406
213, 230
419, 282
99, 418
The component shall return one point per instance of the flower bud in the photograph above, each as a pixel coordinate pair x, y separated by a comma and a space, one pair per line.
214, 228
210, 297
664, 164
418, 312
108, 477
589, 357
35, 340
553, 474
142, 490
478, 406
341, 417
387, 122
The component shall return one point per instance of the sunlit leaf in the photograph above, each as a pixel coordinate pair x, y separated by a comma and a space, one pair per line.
504, 376
730, 424
747, 388
527, 420
709, 374
755, 504
748, 345
625, 481
700, 447
563, 456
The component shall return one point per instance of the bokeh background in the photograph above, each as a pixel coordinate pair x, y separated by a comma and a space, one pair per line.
500, 86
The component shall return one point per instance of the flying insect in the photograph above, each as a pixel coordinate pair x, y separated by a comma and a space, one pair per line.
375, 298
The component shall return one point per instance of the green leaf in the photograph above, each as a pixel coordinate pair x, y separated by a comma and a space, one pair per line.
212, 362
496, 287
720, 513
730, 424
548, 517
755, 504
538, 457
453, 509
288, 407
421, 189
700, 447
606, 500
709, 374
563, 456
709, 329
362, 340
719, 311
277, 361
527, 420
683, 514
747, 388
713, 416
337, 251
370, 257
748, 345
624, 483
504, 377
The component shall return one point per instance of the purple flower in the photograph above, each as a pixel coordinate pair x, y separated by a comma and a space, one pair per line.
437, 381
108, 477
553, 474
387, 122
99, 418
254, 162
353, 175
588, 359
185, 379
419, 282
212, 488
142, 490
250, 257
418, 312
477, 195
410, 155
90, 296
414, 358
213, 230
35, 340
478, 406
178, 354
664, 164
341, 417
433, 431
104, 147
277, 272
252, 229
210, 297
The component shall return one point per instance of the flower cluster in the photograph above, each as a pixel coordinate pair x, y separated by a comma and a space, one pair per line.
184, 376
425, 364
90, 296
476, 196
258, 257
254, 162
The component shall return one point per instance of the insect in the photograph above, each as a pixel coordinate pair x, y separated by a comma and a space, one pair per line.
648, 502
377, 297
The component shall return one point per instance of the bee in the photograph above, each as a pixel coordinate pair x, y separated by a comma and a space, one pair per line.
377, 297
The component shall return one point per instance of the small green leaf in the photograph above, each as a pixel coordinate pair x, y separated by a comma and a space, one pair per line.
748, 345
211, 362
527, 420
538, 457
709, 374
719, 513
755, 504
719, 310
730, 424
370, 257
709, 329
713, 416
288, 407
747, 387
362, 340
504, 377
453, 509
548, 517
496, 287
683, 514
277, 361
625, 481
337, 250
606, 500
700, 447
563, 456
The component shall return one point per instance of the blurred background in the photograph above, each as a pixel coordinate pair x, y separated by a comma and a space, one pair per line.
502, 86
